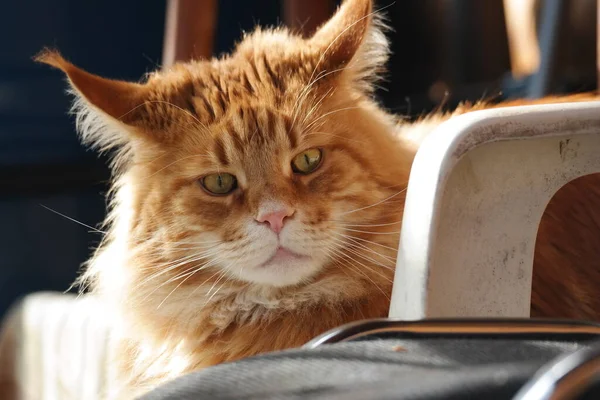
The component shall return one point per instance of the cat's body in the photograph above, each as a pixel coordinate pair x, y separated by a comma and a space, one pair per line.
258, 199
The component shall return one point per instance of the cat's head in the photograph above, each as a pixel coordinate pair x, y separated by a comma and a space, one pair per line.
272, 166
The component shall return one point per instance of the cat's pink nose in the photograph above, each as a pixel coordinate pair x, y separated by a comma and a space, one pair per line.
275, 218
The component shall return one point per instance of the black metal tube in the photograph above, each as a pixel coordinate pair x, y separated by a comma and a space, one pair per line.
569, 377
548, 34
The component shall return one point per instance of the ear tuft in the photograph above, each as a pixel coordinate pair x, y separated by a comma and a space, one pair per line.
115, 98
51, 57
107, 111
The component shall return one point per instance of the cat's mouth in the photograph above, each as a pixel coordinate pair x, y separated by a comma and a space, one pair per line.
283, 267
283, 256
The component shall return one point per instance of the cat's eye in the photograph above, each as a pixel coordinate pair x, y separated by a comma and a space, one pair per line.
307, 161
219, 184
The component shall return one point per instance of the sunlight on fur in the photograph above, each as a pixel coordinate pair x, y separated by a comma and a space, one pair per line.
257, 198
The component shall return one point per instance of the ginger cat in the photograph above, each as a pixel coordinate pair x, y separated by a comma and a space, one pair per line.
257, 199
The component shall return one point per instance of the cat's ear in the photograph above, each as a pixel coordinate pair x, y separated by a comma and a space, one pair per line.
108, 111
352, 41
116, 99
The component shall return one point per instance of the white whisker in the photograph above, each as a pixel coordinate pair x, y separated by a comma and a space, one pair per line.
179, 285
175, 162
364, 257
376, 204
357, 269
224, 273
316, 106
73, 220
367, 241
367, 225
373, 233
170, 266
169, 104
313, 122
366, 248
332, 135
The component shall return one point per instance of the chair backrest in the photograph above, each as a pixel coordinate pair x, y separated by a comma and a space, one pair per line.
477, 191
62, 348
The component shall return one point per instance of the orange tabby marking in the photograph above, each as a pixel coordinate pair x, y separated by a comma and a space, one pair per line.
196, 279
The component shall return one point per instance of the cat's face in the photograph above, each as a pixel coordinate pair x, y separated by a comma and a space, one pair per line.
265, 198
272, 166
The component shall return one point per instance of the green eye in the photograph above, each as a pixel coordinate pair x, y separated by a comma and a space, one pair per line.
219, 184
307, 161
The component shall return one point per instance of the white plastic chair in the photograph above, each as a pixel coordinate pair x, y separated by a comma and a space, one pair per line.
56, 347
477, 191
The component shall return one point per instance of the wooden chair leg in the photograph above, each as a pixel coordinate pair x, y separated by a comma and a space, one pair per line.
9, 331
189, 30
522, 37
305, 16
598, 43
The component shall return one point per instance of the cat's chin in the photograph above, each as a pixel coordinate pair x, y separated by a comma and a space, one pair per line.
283, 268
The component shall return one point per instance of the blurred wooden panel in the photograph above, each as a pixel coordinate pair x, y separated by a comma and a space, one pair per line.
305, 16
577, 39
189, 30
522, 36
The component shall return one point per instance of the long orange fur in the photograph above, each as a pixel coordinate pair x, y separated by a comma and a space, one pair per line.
166, 267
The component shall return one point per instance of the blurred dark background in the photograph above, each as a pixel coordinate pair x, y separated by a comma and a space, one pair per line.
445, 51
